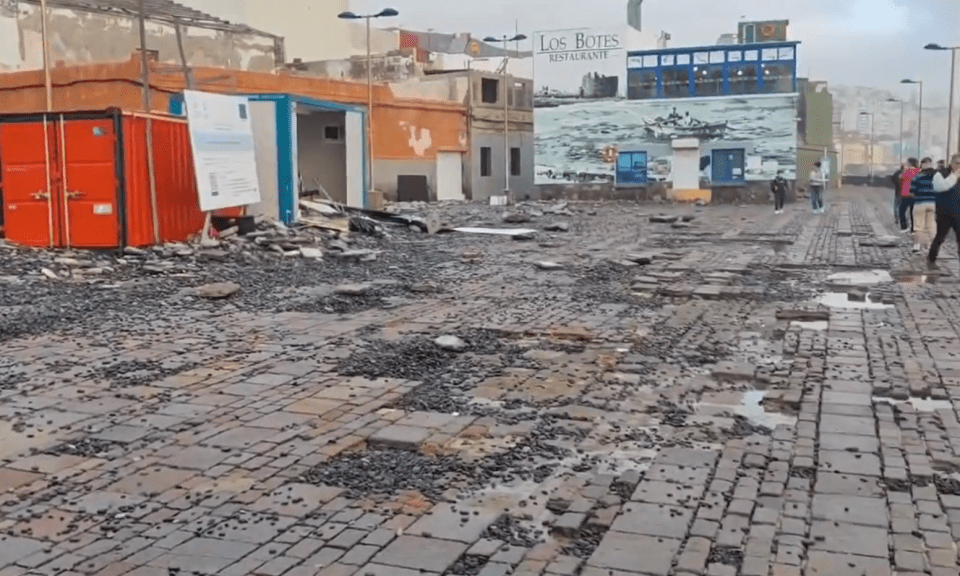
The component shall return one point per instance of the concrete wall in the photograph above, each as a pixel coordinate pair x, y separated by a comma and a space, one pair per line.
322, 160
480, 187
82, 37
385, 174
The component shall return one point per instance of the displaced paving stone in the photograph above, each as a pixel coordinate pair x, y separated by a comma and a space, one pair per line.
217, 290
451, 343
419, 553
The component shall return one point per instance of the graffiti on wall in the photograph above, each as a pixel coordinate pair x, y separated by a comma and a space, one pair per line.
573, 139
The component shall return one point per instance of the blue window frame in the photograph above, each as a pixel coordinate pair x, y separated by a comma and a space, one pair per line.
632, 168
727, 166
768, 68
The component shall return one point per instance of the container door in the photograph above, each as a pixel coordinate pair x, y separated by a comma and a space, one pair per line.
88, 179
27, 159
356, 161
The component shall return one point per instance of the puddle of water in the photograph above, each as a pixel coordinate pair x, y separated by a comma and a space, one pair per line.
842, 300
751, 408
919, 404
818, 325
860, 278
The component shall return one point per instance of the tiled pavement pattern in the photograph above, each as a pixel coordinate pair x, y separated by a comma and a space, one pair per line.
604, 420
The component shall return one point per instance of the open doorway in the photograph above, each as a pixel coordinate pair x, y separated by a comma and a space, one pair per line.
322, 153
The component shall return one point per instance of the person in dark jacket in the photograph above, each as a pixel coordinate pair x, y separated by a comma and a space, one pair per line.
896, 191
779, 188
946, 184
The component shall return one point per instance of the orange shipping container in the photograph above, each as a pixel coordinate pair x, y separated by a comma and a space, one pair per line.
81, 179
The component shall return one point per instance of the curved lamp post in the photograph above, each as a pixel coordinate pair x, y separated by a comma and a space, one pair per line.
506, 110
901, 124
953, 69
385, 13
920, 114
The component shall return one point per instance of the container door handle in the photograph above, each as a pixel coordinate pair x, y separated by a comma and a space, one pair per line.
74, 194
41, 195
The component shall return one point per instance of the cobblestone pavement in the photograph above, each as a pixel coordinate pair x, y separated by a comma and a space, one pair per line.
740, 394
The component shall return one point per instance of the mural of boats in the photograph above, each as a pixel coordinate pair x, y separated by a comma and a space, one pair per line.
678, 126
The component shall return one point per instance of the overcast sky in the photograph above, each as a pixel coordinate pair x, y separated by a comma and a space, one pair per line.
853, 42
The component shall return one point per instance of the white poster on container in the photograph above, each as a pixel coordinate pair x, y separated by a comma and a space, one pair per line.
579, 64
221, 136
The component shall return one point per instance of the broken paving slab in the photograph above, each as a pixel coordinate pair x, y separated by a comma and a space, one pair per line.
804, 315
664, 219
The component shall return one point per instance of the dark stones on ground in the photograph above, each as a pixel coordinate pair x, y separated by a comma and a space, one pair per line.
726, 556
468, 565
85, 447
557, 227
510, 530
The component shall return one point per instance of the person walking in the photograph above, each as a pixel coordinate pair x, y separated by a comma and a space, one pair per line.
924, 205
817, 183
946, 185
779, 188
906, 197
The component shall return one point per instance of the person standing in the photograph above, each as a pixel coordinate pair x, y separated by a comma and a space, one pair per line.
946, 185
817, 183
779, 188
906, 196
896, 191
924, 205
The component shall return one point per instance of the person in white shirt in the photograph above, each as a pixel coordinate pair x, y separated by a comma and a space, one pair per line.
818, 182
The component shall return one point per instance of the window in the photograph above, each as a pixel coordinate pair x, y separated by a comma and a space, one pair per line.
749, 34
701, 57
676, 82
708, 81
641, 84
489, 90
717, 57
649, 61
743, 79
778, 78
734, 56
786, 53
683, 59
751, 55
668, 60
770, 54
515, 162
486, 161
332, 133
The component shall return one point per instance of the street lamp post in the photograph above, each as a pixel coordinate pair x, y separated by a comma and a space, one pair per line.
953, 69
385, 13
870, 114
920, 114
901, 124
506, 110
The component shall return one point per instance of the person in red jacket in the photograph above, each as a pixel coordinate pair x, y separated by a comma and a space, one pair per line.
906, 196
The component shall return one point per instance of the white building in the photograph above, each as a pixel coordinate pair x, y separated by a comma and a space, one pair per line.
310, 28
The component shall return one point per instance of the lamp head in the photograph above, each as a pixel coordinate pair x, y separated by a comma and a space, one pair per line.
387, 12
347, 16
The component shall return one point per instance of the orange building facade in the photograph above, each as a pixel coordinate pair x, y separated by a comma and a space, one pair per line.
407, 135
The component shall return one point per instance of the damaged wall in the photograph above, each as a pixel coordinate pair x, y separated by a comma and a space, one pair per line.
403, 129
82, 37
